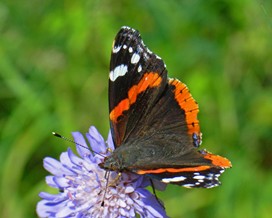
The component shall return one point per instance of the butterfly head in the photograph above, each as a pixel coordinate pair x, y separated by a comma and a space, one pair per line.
112, 163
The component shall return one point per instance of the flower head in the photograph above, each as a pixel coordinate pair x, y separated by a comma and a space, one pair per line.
82, 184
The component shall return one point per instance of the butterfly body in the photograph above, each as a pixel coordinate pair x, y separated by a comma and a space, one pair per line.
154, 120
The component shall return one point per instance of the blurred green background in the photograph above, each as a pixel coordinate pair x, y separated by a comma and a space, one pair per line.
54, 61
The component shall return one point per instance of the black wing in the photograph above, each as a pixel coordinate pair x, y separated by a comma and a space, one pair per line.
137, 80
155, 119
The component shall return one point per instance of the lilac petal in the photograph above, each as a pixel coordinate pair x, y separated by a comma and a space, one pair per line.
66, 211
122, 212
81, 147
132, 213
80, 215
74, 159
42, 209
152, 204
138, 208
46, 208
52, 197
61, 182
83, 207
130, 201
66, 161
96, 140
129, 189
121, 203
50, 181
88, 162
110, 141
47, 196
144, 193
55, 167
73, 162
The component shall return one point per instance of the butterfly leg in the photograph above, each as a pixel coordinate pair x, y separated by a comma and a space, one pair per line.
107, 176
113, 182
154, 192
109, 150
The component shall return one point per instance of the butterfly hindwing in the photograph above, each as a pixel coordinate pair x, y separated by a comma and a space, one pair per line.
200, 179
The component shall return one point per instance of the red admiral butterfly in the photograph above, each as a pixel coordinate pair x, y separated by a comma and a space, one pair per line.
154, 121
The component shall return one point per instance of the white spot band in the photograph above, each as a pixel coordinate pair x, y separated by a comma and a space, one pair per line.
175, 179
199, 177
135, 58
120, 70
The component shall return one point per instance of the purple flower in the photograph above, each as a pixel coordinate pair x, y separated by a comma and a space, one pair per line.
82, 185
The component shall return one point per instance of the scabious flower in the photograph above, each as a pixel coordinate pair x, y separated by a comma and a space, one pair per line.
82, 185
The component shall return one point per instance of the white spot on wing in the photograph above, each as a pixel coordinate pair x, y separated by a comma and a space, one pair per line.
150, 52
199, 177
124, 46
188, 185
146, 56
120, 70
175, 179
135, 58
127, 28
158, 57
212, 186
116, 49
130, 50
139, 68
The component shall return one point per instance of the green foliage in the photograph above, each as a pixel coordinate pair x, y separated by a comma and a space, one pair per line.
54, 61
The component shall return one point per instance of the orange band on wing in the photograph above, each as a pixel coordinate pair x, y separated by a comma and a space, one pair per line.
149, 80
174, 170
218, 160
188, 104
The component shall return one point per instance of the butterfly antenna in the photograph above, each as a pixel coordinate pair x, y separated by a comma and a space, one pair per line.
107, 176
72, 141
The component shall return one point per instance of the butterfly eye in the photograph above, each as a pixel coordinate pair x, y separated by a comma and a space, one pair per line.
196, 139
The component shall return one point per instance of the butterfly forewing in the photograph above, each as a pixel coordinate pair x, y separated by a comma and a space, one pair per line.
137, 79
